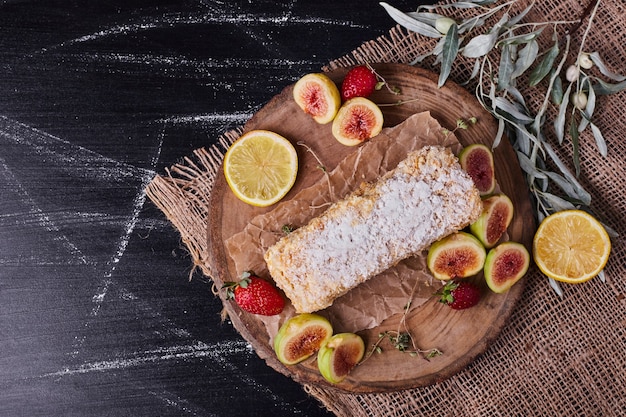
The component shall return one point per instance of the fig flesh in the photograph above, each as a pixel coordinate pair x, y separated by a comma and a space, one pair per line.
357, 120
494, 220
477, 161
505, 265
339, 356
300, 337
459, 255
318, 96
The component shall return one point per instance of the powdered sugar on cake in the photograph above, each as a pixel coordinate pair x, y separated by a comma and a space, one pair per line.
427, 197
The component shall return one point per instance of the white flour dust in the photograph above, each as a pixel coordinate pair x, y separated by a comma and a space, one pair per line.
225, 16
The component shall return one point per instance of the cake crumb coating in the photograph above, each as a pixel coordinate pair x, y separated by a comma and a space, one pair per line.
425, 198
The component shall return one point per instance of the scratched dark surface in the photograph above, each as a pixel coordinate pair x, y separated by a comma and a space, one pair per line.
97, 315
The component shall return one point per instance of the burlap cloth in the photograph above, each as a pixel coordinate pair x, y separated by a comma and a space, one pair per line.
560, 356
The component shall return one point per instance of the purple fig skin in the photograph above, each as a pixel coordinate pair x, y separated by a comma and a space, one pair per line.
477, 161
494, 220
505, 265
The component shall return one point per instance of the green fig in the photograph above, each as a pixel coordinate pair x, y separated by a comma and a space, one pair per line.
477, 161
339, 356
300, 337
505, 265
494, 220
459, 255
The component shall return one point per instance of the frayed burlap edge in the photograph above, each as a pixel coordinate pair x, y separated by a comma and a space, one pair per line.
558, 356
183, 195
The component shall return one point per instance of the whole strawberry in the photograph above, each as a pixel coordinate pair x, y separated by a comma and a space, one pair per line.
255, 295
459, 296
360, 81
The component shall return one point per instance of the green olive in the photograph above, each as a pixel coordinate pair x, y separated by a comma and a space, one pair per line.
579, 100
584, 60
443, 24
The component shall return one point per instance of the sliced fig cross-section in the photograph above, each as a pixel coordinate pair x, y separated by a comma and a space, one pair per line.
318, 96
477, 161
459, 255
505, 265
494, 220
300, 337
339, 356
357, 120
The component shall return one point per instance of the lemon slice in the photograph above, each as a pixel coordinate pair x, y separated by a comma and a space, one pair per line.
261, 167
571, 246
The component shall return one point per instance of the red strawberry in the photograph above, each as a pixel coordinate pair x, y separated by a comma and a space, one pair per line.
459, 295
359, 82
255, 295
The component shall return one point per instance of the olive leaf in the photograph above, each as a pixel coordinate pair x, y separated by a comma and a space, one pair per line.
525, 58
471, 23
564, 184
573, 131
600, 142
517, 95
411, 23
584, 196
522, 38
499, 133
545, 65
612, 232
468, 4
480, 45
559, 122
506, 67
557, 203
512, 110
555, 286
475, 72
518, 18
604, 88
587, 113
426, 17
557, 91
525, 139
529, 167
448, 54
595, 57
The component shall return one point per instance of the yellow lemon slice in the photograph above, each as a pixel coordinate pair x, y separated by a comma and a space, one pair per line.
571, 246
261, 167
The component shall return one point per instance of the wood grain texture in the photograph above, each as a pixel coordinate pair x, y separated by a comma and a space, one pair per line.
97, 314
460, 335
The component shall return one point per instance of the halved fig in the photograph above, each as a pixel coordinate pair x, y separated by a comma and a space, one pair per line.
459, 255
357, 120
318, 96
339, 356
506, 264
300, 337
477, 161
494, 220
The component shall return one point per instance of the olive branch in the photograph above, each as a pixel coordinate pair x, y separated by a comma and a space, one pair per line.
505, 53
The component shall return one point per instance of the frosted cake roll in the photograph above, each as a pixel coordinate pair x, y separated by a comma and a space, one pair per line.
425, 198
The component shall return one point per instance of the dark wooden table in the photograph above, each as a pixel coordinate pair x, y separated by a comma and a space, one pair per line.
98, 316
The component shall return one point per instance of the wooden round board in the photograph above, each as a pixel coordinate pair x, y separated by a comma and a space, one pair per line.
460, 335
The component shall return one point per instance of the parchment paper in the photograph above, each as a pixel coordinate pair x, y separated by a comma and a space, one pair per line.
384, 295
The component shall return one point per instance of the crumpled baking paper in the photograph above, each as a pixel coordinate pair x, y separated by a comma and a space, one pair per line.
389, 293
